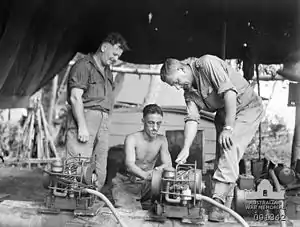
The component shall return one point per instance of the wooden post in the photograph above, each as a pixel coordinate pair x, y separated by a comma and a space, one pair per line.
296, 137
155, 72
62, 85
40, 137
31, 134
52, 99
224, 36
259, 127
9, 114
135, 70
47, 132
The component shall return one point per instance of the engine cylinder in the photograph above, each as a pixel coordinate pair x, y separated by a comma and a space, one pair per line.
169, 173
57, 166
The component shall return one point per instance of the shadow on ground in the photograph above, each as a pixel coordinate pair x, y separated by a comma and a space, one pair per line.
22, 184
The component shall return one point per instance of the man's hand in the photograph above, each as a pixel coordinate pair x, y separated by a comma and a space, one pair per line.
159, 168
225, 139
83, 134
148, 175
182, 156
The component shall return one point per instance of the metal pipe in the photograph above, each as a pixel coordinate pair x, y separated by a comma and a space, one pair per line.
277, 188
177, 181
173, 193
139, 71
156, 72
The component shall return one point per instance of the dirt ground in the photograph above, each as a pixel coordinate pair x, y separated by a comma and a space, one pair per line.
22, 184
26, 185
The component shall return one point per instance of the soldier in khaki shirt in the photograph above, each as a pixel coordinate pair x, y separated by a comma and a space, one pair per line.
90, 95
212, 85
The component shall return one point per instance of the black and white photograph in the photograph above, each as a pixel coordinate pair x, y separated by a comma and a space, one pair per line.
149, 113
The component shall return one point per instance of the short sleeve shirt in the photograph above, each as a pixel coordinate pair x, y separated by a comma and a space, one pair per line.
213, 77
98, 88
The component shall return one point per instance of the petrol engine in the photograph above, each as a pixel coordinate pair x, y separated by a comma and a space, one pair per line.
65, 181
174, 192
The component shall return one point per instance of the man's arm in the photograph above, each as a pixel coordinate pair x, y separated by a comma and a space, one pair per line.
216, 70
131, 158
77, 106
77, 110
165, 156
190, 130
230, 107
225, 138
78, 84
191, 124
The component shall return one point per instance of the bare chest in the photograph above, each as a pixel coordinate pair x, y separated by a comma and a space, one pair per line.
147, 151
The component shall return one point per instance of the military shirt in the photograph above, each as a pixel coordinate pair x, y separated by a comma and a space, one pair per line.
98, 88
213, 77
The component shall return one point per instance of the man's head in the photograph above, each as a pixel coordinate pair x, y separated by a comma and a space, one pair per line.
176, 73
152, 119
111, 49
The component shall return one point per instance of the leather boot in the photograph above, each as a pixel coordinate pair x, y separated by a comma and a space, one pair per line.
216, 214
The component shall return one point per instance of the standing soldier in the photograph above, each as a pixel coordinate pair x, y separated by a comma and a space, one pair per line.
90, 94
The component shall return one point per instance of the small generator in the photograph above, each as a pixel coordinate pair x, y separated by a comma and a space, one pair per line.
65, 181
174, 193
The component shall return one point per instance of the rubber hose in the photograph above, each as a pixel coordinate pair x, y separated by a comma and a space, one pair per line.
109, 204
221, 206
198, 196
277, 187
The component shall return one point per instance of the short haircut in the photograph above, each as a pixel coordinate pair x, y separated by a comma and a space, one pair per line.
152, 109
169, 65
116, 38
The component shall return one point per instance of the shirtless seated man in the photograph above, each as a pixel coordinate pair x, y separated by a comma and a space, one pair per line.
143, 148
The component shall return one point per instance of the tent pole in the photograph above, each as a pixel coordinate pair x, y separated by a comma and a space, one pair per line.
295, 154
224, 36
296, 137
52, 99
259, 127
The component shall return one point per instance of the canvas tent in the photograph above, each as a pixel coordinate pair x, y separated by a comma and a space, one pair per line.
39, 37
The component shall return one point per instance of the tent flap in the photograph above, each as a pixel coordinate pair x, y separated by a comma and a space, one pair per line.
39, 37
